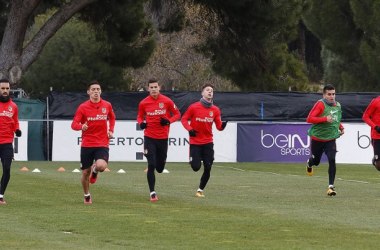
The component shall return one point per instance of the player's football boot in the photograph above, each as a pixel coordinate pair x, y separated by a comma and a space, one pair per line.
87, 200
309, 169
153, 197
200, 194
93, 176
2, 201
331, 191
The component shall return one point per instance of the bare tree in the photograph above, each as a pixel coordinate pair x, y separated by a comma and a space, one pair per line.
176, 61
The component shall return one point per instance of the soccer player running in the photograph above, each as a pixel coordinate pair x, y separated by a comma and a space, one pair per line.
91, 117
202, 115
156, 108
9, 127
325, 117
372, 117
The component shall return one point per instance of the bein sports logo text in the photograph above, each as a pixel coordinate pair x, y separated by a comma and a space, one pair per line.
290, 144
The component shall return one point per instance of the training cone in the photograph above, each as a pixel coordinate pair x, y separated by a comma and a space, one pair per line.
76, 171
121, 171
146, 170
106, 170
61, 169
165, 171
24, 169
36, 170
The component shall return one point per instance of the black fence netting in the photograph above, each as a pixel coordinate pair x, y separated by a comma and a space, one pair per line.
235, 106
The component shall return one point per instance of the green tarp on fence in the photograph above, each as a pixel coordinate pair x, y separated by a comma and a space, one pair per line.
34, 112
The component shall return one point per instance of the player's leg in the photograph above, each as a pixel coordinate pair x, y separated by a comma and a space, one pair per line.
150, 154
196, 163
316, 154
195, 159
330, 151
101, 156
86, 159
6, 155
376, 153
161, 154
208, 159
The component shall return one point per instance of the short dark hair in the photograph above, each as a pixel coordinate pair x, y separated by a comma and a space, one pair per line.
328, 87
4, 80
207, 85
152, 80
92, 83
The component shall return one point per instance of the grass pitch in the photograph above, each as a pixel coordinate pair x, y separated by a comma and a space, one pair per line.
247, 206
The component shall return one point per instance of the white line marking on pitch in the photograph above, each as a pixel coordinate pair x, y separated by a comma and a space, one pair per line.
261, 172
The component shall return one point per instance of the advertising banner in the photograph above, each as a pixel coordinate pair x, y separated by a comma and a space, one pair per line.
239, 142
128, 143
290, 143
273, 143
355, 145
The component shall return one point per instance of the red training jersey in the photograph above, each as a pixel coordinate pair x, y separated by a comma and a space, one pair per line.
153, 110
315, 116
201, 120
372, 117
96, 115
8, 121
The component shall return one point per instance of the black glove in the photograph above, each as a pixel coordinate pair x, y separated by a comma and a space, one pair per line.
224, 124
18, 132
193, 133
164, 122
143, 125
377, 128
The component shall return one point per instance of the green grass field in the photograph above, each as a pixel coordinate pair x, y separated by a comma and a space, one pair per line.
247, 206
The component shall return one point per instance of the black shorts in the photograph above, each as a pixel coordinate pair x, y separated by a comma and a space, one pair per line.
156, 151
6, 152
203, 152
318, 147
89, 155
376, 148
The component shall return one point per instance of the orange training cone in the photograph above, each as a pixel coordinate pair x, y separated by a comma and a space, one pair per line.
24, 169
61, 169
146, 170
106, 170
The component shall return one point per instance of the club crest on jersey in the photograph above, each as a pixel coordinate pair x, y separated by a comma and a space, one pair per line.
161, 105
10, 108
103, 110
211, 113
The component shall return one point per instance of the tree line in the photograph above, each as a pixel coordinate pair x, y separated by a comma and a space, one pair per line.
238, 45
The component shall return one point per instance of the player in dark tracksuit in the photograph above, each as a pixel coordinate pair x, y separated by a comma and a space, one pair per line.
156, 108
325, 117
202, 115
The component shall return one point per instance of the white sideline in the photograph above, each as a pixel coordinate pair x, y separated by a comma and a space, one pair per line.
261, 172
